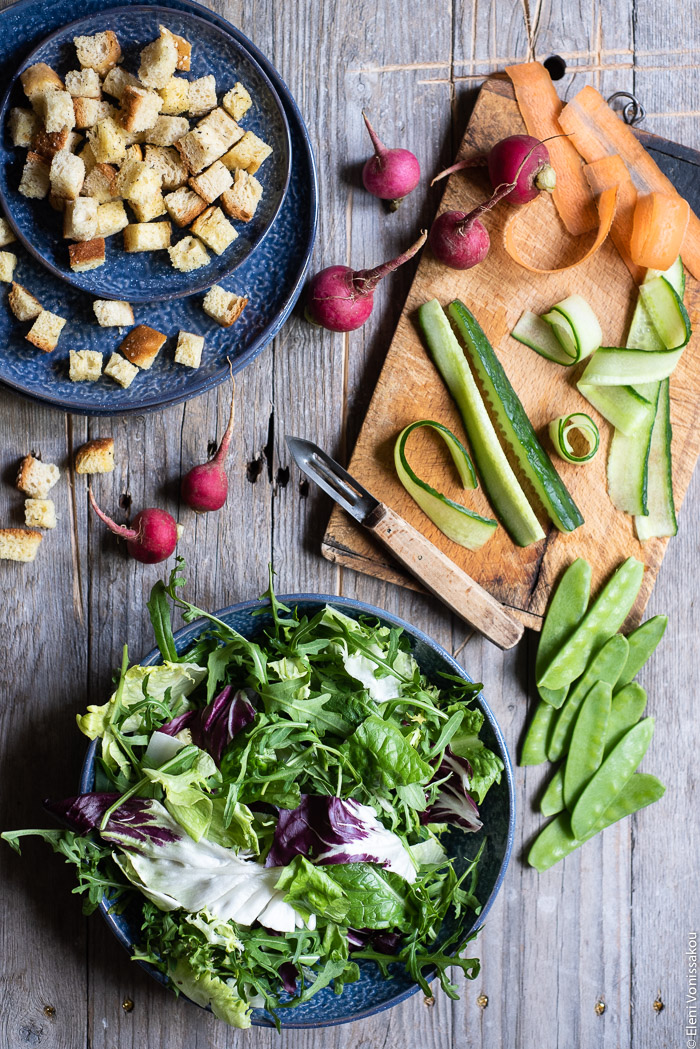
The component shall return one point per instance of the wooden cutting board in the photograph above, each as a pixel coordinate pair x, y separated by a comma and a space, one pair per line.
497, 292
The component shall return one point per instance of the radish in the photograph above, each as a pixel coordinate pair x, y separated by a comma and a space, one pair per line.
519, 159
151, 539
340, 299
391, 174
458, 239
205, 487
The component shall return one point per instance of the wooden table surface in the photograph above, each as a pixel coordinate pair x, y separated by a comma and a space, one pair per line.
591, 953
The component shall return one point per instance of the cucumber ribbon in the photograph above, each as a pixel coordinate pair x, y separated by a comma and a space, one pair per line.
560, 430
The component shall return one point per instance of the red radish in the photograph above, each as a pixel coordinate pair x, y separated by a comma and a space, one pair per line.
391, 174
152, 538
519, 159
340, 299
458, 239
205, 487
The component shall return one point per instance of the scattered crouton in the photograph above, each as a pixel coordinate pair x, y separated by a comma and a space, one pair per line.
175, 95
188, 254
100, 52
101, 184
113, 313
47, 144
87, 255
84, 365
35, 177
56, 110
45, 331
119, 369
147, 210
189, 349
158, 61
23, 126
23, 304
116, 80
138, 181
19, 544
210, 184
67, 175
6, 234
39, 513
184, 49
167, 130
249, 153
36, 478
108, 141
168, 162
111, 218
88, 157
139, 108
223, 306
39, 78
80, 219
237, 101
184, 205
89, 111
214, 229
147, 236
83, 83
95, 457
142, 345
8, 261
240, 202
202, 95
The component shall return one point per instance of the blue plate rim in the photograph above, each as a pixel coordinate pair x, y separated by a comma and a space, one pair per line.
166, 295
258, 344
360, 608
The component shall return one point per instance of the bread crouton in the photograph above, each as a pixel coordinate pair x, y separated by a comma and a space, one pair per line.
74, 142
100, 52
38, 79
116, 80
39, 513
113, 313
202, 95
19, 544
108, 141
237, 101
88, 157
35, 177
147, 210
170, 165
111, 218
214, 229
223, 306
119, 369
189, 349
188, 254
138, 181
89, 111
175, 95
6, 234
139, 108
83, 83
240, 202
84, 365
8, 261
36, 478
67, 175
184, 49
249, 153
142, 345
223, 126
47, 144
23, 126
45, 331
95, 457
167, 130
101, 184
147, 236
80, 219
23, 304
211, 183
184, 205
87, 255
56, 110
158, 61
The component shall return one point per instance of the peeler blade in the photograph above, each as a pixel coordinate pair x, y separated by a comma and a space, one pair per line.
332, 478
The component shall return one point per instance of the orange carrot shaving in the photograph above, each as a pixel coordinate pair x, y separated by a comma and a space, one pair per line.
603, 174
606, 214
596, 132
660, 222
540, 107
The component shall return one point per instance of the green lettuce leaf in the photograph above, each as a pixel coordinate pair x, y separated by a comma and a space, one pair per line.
311, 890
377, 899
383, 757
208, 990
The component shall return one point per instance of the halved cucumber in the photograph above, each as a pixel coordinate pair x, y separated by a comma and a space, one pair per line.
660, 520
576, 326
534, 332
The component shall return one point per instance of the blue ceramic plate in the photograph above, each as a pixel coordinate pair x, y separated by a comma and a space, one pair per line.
149, 276
272, 276
372, 993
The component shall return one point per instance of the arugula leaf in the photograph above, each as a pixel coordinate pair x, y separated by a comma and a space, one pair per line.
159, 612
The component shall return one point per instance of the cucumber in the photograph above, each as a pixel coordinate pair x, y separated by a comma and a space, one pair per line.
582, 327
500, 483
613, 366
576, 422
627, 464
660, 520
514, 423
534, 332
675, 275
668, 314
623, 406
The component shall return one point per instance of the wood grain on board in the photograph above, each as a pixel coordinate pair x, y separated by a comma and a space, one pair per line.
409, 388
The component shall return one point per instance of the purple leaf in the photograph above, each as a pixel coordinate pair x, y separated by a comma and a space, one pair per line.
288, 975
381, 940
214, 726
131, 823
454, 804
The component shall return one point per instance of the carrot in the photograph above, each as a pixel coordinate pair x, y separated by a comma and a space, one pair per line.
611, 171
660, 222
597, 132
606, 214
540, 107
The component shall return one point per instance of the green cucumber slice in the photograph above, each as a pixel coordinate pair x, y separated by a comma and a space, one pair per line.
627, 465
582, 324
561, 428
514, 423
623, 406
675, 275
668, 314
534, 332
612, 366
500, 483
564, 332
660, 520
463, 526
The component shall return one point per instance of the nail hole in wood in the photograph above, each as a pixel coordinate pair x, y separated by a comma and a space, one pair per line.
555, 66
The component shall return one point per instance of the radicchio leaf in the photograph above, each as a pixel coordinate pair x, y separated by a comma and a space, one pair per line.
288, 974
214, 726
135, 822
336, 830
381, 940
454, 804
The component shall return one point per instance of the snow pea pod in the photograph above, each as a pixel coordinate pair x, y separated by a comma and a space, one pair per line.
557, 841
602, 620
534, 750
626, 709
605, 665
642, 642
587, 742
566, 610
611, 777
553, 797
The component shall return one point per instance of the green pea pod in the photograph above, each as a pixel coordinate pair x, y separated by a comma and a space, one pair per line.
603, 619
557, 841
611, 777
626, 709
605, 665
587, 742
553, 797
566, 610
534, 750
642, 642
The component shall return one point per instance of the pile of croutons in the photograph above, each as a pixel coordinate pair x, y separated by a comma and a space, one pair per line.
141, 151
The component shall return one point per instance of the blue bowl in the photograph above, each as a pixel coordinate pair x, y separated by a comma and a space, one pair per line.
372, 993
149, 276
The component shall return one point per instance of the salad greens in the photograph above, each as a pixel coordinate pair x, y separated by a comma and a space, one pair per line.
274, 807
